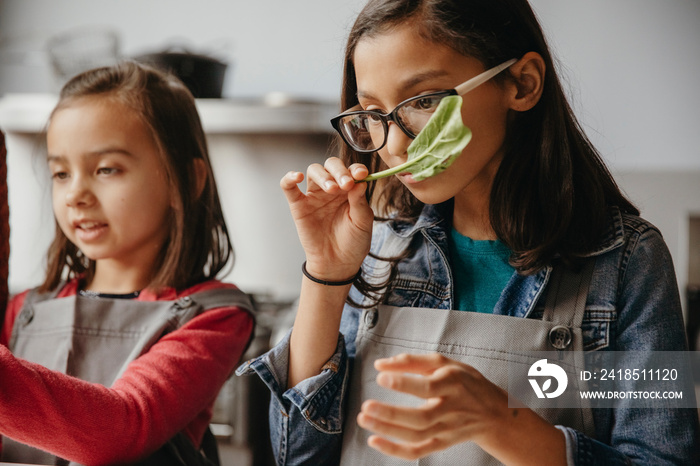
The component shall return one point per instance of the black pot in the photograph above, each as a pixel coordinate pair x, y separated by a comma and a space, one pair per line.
203, 76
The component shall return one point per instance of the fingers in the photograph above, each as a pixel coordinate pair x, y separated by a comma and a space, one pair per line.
412, 441
318, 178
446, 382
405, 451
334, 175
360, 211
340, 173
416, 432
424, 417
425, 375
414, 363
399, 432
333, 178
289, 183
328, 176
359, 171
460, 405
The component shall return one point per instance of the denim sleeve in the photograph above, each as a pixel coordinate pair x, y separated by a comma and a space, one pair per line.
305, 420
649, 318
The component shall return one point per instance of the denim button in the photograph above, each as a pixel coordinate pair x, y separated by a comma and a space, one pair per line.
25, 317
560, 337
371, 317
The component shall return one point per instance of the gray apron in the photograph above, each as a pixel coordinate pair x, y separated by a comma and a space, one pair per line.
489, 343
71, 334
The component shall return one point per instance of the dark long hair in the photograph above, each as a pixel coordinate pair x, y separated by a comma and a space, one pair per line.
552, 192
198, 246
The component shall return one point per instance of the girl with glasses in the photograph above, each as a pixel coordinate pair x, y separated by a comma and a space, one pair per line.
418, 294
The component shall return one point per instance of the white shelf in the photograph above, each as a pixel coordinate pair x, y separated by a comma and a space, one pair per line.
29, 113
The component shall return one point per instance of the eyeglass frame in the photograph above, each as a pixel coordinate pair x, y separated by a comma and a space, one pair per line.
385, 118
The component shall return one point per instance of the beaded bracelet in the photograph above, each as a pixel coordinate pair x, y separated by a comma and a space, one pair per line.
326, 282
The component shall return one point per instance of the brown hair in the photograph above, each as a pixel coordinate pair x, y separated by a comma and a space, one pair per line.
198, 246
552, 192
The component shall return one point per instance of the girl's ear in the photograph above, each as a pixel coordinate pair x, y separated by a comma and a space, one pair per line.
200, 176
528, 74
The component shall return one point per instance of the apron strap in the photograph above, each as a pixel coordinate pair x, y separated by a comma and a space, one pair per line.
33, 296
26, 313
209, 299
220, 297
186, 307
566, 298
565, 306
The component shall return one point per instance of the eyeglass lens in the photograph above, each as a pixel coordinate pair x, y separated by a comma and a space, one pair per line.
367, 131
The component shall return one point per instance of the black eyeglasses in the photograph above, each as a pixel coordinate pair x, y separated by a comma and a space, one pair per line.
366, 131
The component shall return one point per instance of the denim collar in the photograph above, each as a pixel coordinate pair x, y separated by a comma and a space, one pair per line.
613, 237
436, 216
522, 291
432, 216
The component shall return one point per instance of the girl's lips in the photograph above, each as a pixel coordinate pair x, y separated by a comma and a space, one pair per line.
90, 231
407, 178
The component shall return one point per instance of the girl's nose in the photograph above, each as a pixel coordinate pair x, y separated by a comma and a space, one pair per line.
79, 194
397, 141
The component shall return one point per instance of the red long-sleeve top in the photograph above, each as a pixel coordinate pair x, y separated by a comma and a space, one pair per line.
170, 388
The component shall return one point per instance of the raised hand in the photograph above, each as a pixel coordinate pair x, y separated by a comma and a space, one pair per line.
460, 405
333, 218
334, 223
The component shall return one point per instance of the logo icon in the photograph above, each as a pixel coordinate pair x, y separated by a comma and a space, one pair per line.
541, 369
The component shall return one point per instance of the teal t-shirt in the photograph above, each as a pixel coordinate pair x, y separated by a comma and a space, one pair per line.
480, 270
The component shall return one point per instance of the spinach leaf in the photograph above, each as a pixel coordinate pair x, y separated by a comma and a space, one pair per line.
438, 145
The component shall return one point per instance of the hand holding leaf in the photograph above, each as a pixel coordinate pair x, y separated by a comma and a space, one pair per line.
438, 145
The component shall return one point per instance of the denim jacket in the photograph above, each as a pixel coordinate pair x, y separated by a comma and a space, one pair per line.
633, 304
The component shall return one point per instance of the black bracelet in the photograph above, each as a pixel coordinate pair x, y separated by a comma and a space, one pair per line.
326, 282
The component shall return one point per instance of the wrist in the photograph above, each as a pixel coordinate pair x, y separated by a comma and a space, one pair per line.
522, 437
328, 278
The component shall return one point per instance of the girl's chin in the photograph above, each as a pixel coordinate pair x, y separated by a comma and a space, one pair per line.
92, 253
430, 196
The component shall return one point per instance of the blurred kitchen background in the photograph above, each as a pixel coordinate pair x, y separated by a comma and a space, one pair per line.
631, 66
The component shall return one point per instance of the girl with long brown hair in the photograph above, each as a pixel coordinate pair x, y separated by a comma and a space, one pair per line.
523, 246
119, 355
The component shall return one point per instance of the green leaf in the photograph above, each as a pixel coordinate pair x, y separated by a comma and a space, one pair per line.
440, 142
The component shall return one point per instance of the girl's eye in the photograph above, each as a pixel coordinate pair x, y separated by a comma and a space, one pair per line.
426, 103
373, 120
59, 175
106, 171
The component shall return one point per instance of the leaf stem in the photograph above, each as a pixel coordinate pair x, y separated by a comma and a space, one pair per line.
404, 167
